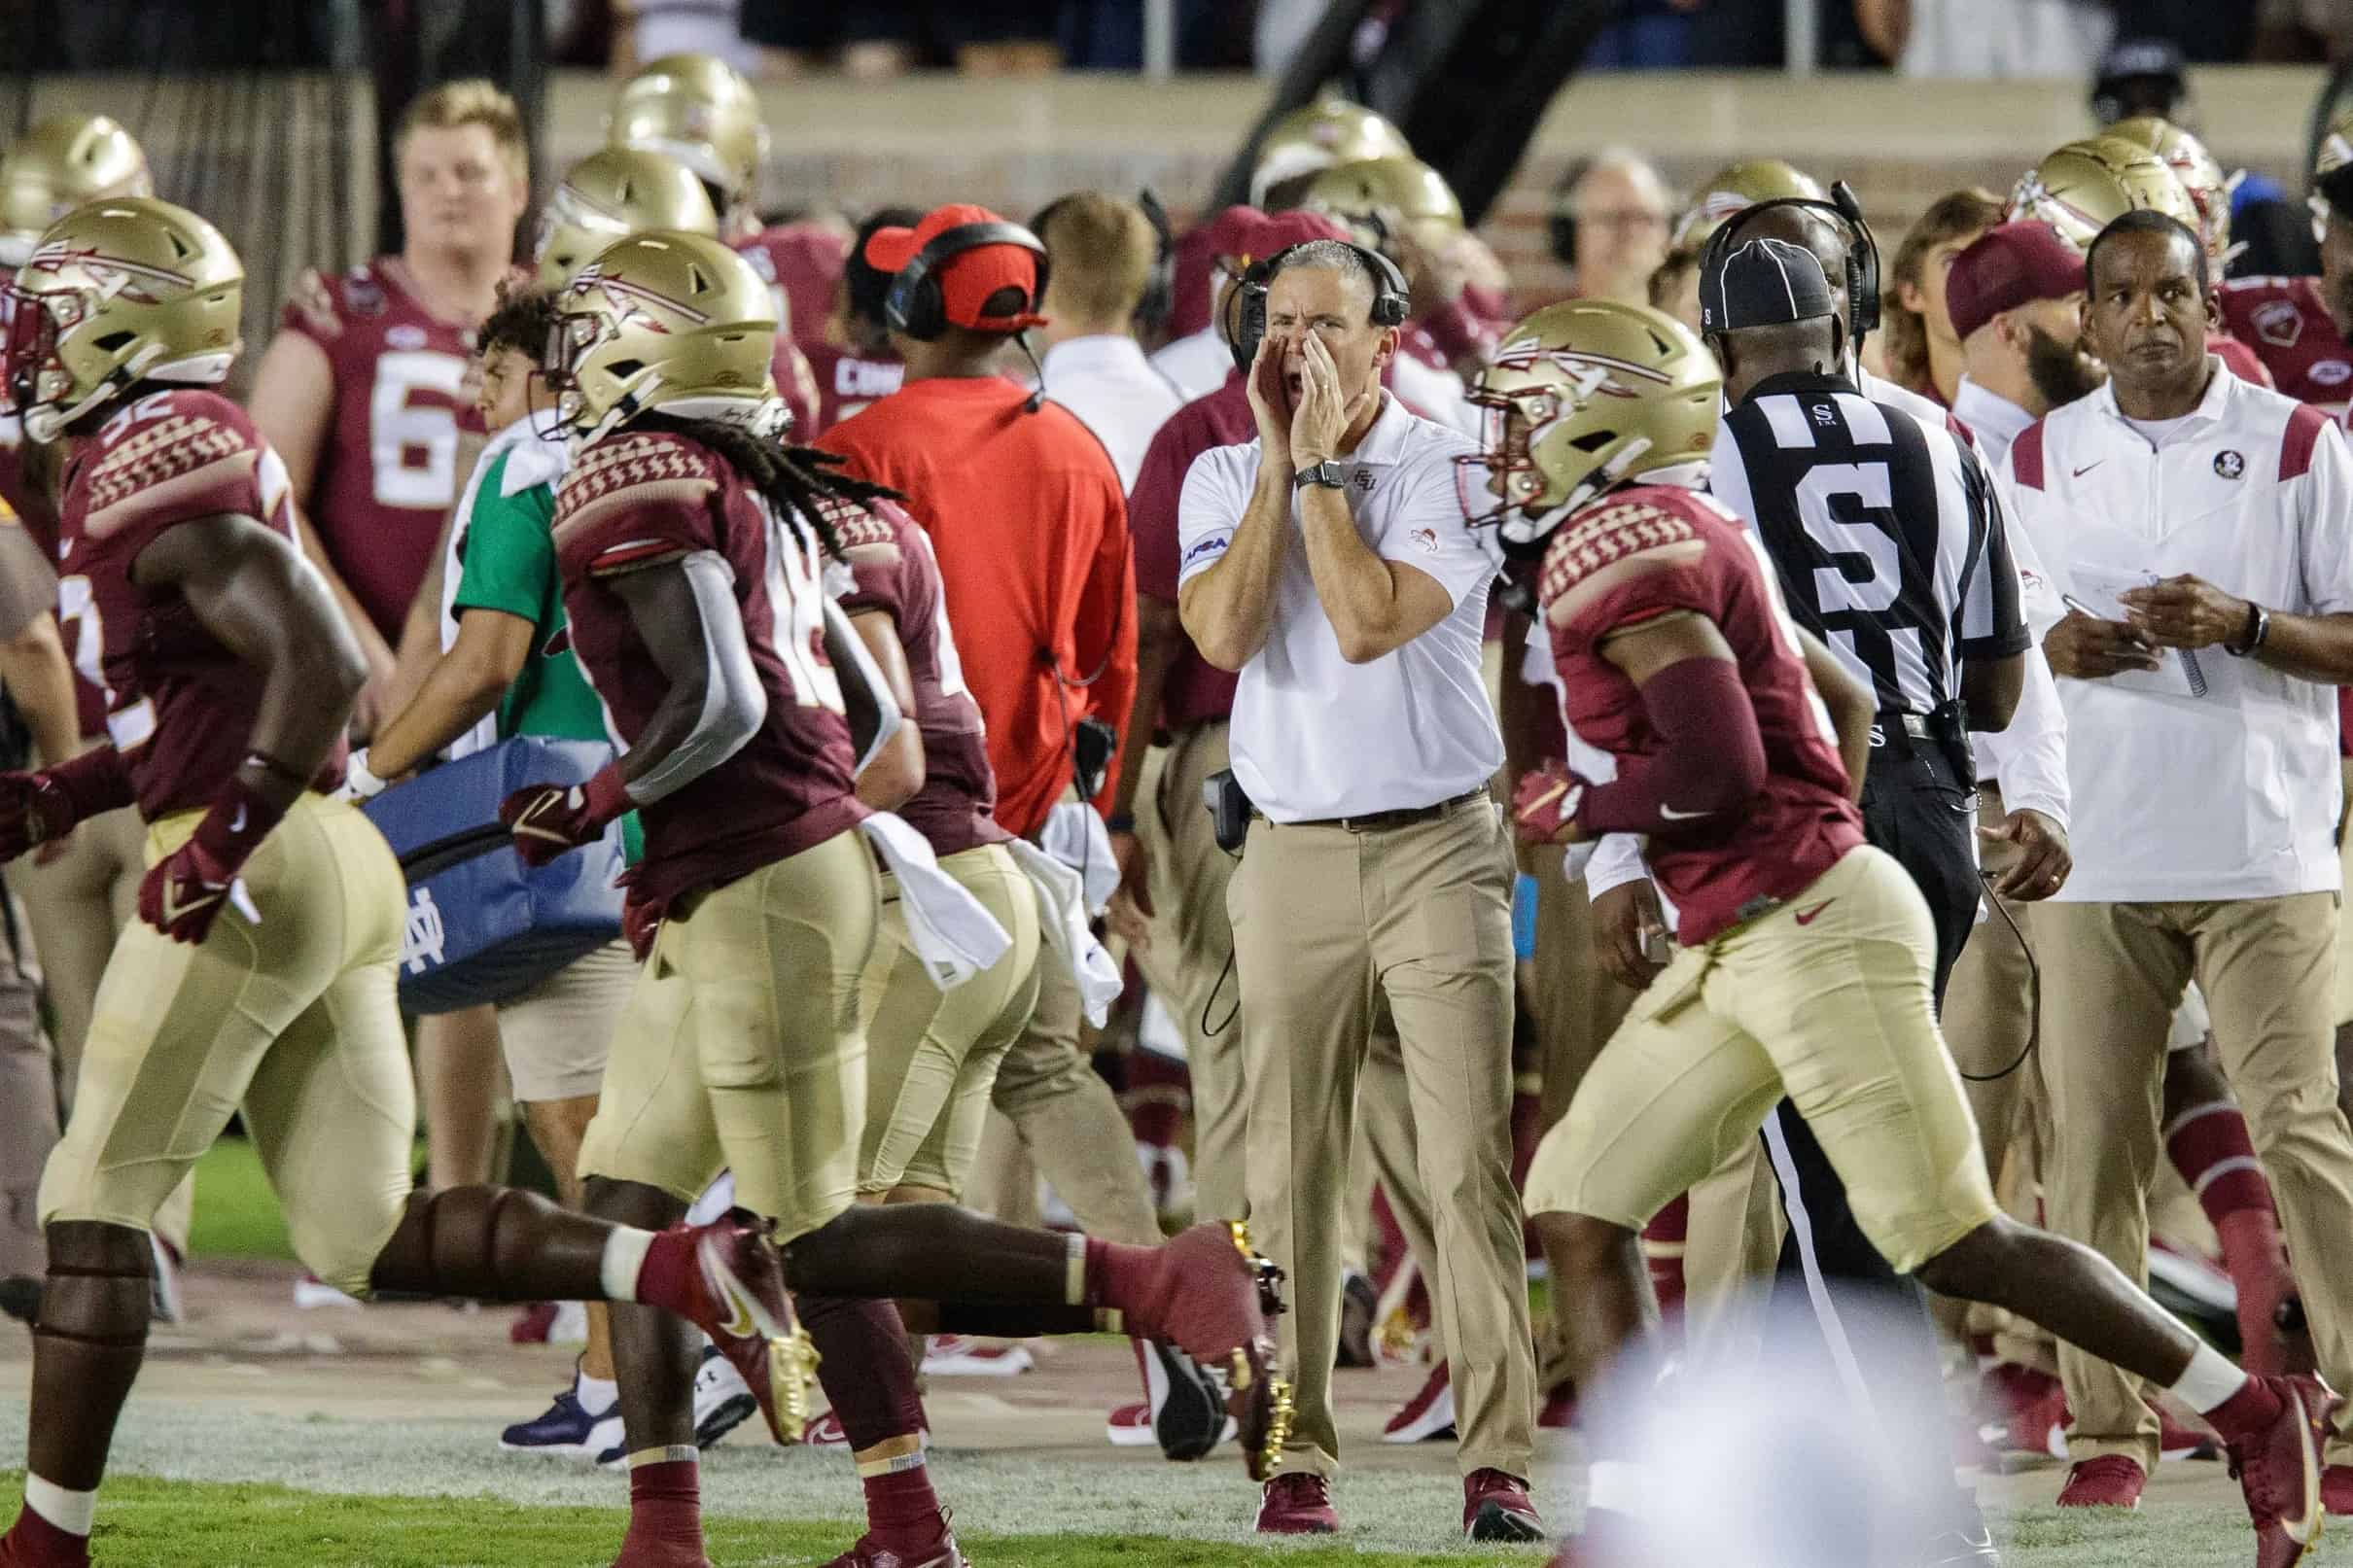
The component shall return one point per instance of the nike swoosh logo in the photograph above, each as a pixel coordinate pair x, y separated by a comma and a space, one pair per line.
2087, 468
1543, 800
237, 823
1669, 814
741, 1322
528, 823
174, 910
2305, 1530
1806, 917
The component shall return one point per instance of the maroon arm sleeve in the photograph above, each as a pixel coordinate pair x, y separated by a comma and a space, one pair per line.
1711, 758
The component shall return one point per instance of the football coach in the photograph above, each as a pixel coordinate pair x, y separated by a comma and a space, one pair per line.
1327, 563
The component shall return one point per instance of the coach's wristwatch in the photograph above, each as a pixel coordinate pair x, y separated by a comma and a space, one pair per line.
1326, 472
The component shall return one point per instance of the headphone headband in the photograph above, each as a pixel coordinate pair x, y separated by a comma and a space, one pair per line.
917, 305
1392, 298
1862, 251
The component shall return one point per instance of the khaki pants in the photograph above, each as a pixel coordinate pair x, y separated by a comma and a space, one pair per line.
1188, 963
1387, 1154
292, 1019
932, 1055
740, 1047
28, 1107
1835, 1015
558, 1035
1731, 1247
2112, 975
1328, 921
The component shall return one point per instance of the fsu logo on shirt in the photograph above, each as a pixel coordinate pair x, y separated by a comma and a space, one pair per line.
2229, 465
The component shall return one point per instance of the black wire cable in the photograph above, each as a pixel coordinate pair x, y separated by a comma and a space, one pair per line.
2034, 990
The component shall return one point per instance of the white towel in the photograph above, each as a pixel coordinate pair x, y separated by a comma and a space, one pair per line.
954, 934
1075, 834
1064, 919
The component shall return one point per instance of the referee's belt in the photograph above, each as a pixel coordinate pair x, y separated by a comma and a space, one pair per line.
1403, 816
1900, 730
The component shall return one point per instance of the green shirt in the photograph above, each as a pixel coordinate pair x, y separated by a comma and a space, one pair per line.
507, 554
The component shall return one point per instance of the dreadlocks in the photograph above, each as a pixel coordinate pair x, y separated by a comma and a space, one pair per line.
797, 481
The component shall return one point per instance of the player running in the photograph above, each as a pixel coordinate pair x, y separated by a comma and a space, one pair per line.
695, 553
258, 977
1695, 716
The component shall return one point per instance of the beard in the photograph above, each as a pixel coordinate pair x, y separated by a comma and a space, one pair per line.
2061, 372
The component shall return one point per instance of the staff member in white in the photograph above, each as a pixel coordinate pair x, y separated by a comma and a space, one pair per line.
1326, 562
1100, 255
2202, 519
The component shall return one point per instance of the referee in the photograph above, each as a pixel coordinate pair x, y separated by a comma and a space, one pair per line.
1891, 548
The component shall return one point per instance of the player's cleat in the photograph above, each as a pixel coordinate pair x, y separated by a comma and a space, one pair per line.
1559, 1412
940, 1553
660, 1555
567, 1430
1969, 1547
164, 1303
1130, 1426
1497, 1507
532, 1323
725, 1279
824, 1432
1429, 1415
1297, 1504
1211, 1294
2111, 1481
2278, 1466
954, 1355
1359, 1306
2336, 1489
20, 1298
311, 1293
723, 1400
35, 1542
1186, 1407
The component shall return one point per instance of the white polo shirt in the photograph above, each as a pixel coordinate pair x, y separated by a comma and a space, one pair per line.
2233, 794
1197, 364
1315, 736
1115, 393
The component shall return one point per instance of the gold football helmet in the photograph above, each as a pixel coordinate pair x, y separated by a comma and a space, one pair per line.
663, 320
64, 162
2082, 188
2335, 152
611, 195
1311, 139
697, 109
118, 291
2202, 177
1738, 185
1581, 398
1380, 197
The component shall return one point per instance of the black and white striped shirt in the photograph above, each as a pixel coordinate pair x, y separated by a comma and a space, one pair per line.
1890, 536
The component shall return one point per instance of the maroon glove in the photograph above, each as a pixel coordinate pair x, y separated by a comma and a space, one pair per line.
1545, 801
39, 808
641, 922
182, 894
551, 819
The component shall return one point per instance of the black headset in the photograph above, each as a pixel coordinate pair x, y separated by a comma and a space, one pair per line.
1391, 298
916, 304
1862, 252
1160, 285
1561, 222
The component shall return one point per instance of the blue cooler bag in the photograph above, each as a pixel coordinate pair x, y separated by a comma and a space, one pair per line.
482, 925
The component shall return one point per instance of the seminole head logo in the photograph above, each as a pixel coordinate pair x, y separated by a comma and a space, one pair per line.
1591, 375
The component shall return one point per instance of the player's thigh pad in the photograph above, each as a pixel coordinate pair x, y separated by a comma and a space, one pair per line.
177, 1032
1840, 1001
652, 1124
773, 962
919, 1038
557, 1035
1671, 1095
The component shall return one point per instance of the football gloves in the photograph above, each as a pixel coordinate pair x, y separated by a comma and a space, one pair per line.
182, 894
1546, 802
550, 819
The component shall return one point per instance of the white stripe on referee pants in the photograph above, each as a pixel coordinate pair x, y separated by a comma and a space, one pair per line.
1818, 1289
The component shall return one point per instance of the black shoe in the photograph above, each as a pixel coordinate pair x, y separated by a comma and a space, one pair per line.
1359, 1304
1189, 1408
20, 1298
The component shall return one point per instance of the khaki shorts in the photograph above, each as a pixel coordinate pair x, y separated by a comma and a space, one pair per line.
557, 1034
740, 1046
1836, 1014
931, 1055
292, 1020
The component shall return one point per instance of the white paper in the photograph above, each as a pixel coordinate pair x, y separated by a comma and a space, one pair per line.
2101, 587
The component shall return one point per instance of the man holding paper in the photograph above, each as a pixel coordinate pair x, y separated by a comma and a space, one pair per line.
2202, 530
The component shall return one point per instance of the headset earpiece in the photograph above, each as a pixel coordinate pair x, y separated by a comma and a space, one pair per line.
1862, 252
917, 307
1392, 300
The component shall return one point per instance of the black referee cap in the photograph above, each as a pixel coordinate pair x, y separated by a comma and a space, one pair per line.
1764, 283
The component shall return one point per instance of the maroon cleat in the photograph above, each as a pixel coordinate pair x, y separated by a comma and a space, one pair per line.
2336, 1489
1297, 1504
658, 1554
1497, 1507
725, 1279
2111, 1481
2278, 1463
1207, 1293
1560, 1412
35, 1542
940, 1553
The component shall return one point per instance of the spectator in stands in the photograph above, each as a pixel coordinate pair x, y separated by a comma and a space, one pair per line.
1922, 354
1100, 255
1610, 225
1986, 38
887, 38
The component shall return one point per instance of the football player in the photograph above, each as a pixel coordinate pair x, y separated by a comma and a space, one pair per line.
1311, 139
78, 893
702, 111
856, 365
2301, 328
259, 976
1700, 716
694, 552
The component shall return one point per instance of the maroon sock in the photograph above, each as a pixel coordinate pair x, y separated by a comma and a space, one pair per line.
2210, 1146
1663, 1247
39, 1544
901, 1508
666, 1500
863, 1367
2245, 1412
1126, 1280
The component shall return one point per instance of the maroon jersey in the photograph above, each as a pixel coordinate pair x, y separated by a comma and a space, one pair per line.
1196, 691
387, 473
2285, 322
181, 706
2239, 360
636, 499
890, 559
847, 382
803, 264
1653, 550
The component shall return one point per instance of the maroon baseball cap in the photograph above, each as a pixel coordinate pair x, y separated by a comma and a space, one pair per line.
968, 279
2008, 266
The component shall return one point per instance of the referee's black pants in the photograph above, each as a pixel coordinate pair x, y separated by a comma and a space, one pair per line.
1883, 1346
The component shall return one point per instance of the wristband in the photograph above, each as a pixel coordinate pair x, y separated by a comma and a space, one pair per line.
1120, 822
360, 781
240, 819
605, 796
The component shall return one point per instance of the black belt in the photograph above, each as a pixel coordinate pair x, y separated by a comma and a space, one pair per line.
1891, 728
1403, 816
